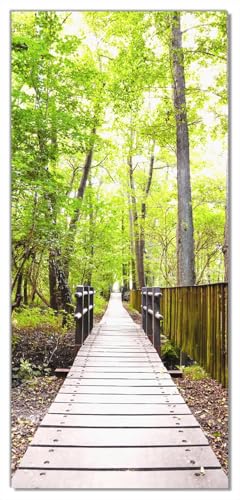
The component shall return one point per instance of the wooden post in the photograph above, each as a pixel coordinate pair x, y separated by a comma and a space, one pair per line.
91, 301
149, 315
79, 318
144, 312
156, 318
85, 312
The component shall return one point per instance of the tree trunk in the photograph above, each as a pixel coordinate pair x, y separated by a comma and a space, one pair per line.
19, 286
132, 247
142, 277
89, 271
125, 269
135, 225
25, 290
53, 291
185, 242
73, 223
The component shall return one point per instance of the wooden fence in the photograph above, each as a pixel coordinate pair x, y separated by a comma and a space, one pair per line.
195, 318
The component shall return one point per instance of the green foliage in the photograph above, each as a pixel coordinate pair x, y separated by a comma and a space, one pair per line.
33, 317
15, 339
99, 304
28, 371
195, 372
110, 72
169, 353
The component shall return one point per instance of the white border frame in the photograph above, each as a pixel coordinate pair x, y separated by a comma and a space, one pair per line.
233, 8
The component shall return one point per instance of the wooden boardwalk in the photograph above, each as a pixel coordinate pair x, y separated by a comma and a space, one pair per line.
119, 421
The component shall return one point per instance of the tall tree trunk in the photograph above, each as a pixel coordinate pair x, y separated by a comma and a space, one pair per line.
132, 248
135, 225
89, 271
125, 275
142, 277
25, 290
34, 273
185, 241
75, 218
19, 287
53, 288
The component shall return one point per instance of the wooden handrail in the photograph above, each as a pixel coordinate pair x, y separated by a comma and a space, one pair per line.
151, 314
83, 314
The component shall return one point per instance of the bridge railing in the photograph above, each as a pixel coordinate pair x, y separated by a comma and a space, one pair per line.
83, 314
195, 318
150, 306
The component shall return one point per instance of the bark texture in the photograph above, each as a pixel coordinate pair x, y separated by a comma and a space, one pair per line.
185, 241
137, 221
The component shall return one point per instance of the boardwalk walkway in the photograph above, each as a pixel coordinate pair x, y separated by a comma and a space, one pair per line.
119, 421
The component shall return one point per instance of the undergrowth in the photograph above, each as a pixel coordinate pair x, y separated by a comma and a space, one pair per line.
195, 372
32, 317
170, 354
100, 304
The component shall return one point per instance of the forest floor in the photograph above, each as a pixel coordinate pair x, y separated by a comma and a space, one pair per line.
34, 385
30, 402
208, 401
31, 398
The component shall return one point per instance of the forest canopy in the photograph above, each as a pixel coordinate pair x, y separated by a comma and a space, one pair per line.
119, 151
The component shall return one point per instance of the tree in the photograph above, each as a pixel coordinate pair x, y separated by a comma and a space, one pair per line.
185, 241
106, 124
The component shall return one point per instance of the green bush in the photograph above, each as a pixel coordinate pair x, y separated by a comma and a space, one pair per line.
27, 370
195, 372
169, 353
99, 304
32, 317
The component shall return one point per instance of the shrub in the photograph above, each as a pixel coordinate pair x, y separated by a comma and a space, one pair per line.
195, 372
169, 353
99, 304
32, 317
27, 370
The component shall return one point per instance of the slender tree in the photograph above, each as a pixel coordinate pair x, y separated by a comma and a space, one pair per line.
185, 241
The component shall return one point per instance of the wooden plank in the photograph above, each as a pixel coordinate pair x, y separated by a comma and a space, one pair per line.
116, 369
134, 356
117, 375
112, 362
120, 409
57, 436
124, 364
116, 398
175, 479
119, 349
78, 389
120, 458
68, 420
119, 382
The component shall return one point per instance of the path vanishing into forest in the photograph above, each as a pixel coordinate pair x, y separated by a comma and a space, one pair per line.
119, 421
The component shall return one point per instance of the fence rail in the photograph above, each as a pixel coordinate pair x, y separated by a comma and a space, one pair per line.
195, 318
83, 314
151, 315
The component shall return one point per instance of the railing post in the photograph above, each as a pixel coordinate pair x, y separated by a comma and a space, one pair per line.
149, 318
79, 318
85, 312
156, 318
91, 301
144, 312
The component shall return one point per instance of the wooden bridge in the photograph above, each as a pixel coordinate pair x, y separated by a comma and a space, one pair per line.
119, 421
